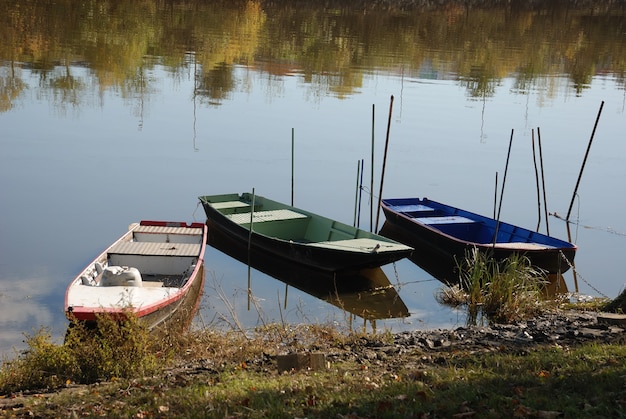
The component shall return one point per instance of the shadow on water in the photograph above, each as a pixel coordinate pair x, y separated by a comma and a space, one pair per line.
366, 293
440, 265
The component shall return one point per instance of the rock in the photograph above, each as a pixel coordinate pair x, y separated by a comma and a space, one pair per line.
612, 318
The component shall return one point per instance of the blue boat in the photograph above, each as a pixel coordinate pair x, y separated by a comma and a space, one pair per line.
448, 233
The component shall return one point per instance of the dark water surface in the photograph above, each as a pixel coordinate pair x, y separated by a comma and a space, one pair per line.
116, 111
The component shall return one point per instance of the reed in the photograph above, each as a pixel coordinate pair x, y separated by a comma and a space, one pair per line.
496, 292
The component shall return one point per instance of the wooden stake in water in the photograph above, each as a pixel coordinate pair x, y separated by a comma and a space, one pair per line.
506, 168
358, 217
543, 182
532, 139
249, 248
495, 197
382, 175
292, 163
293, 147
356, 192
569, 211
372, 172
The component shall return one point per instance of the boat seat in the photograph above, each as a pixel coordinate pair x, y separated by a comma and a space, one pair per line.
155, 249
412, 208
229, 204
263, 216
449, 219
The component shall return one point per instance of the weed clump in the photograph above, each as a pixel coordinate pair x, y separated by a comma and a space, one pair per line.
498, 292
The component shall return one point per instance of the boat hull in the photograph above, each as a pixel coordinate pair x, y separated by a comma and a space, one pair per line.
331, 246
462, 231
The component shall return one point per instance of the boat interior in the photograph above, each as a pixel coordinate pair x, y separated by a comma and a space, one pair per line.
152, 256
456, 223
288, 224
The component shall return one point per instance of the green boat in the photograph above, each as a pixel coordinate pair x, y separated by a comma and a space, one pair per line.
269, 228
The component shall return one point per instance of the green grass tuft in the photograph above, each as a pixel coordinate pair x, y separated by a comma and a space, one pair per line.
496, 292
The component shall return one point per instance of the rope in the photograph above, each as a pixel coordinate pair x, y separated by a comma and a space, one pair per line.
578, 275
609, 230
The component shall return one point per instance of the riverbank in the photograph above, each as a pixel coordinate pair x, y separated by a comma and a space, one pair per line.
562, 363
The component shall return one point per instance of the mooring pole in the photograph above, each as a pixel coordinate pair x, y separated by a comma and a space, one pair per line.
582, 167
358, 218
249, 249
382, 175
356, 192
536, 180
506, 168
292, 163
580, 174
372, 172
543, 182
495, 197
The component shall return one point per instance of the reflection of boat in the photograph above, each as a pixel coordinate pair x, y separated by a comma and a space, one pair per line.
366, 293
449, 233
155, 270
298, 236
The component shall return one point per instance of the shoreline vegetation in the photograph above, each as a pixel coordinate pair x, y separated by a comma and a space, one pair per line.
541, 358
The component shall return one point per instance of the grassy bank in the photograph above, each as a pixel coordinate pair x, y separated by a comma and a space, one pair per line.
230, 375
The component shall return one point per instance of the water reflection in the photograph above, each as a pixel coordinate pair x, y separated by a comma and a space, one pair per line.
333, 49
366, 293
25, 309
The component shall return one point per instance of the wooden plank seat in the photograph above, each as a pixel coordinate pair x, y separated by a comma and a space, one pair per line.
265, 216
186, 231
156, 249
448, 219
230, 204
412, 208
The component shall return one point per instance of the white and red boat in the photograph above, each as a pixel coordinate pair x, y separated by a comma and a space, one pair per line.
155, 271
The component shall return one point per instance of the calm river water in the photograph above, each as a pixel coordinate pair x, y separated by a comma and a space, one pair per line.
116, 111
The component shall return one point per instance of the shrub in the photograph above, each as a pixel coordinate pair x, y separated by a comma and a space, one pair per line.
108, 349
